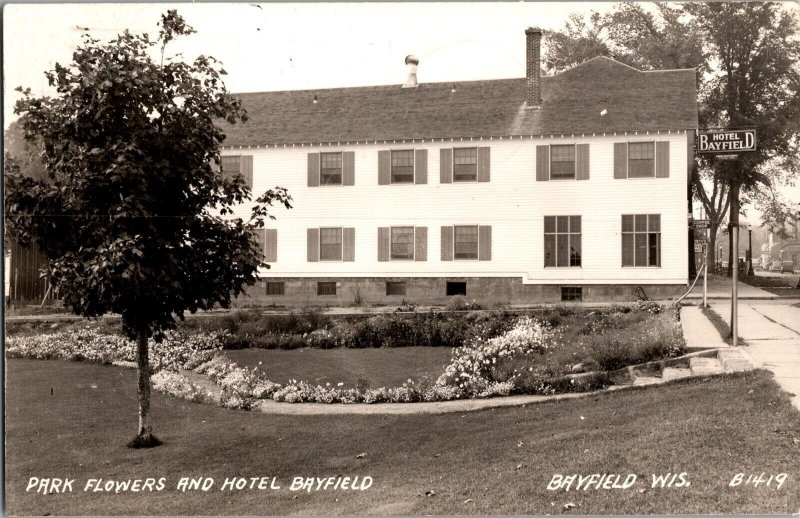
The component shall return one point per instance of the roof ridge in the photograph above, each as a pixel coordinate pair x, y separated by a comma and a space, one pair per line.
393, 85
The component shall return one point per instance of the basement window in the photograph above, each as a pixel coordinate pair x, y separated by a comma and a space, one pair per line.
456, 288
326, 288
395, 288
275, 288
571, 293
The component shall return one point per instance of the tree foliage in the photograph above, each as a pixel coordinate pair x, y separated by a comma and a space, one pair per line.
135, 216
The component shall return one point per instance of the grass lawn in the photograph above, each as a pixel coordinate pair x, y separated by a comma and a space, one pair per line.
488, 462
384, 367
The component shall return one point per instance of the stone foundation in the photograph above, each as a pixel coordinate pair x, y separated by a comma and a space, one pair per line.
355, 291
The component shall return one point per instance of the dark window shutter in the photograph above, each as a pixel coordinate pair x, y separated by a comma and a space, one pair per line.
420, 243
582, 161
313, 245
484, 164
247, 170
542, 163
620, 160
446, 165
313, 169
485, 243
384, 243
271, 246
384, 167
421, 166
348, 244
349, 168
447, 243
662, 159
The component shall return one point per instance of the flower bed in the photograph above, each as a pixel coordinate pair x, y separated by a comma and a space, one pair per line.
504, 354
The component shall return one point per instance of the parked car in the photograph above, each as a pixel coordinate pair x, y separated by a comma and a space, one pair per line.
787, 267
775, 266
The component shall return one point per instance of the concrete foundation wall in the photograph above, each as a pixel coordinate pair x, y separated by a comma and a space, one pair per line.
302, 291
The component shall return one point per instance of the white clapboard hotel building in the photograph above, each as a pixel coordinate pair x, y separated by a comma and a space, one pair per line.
538, 189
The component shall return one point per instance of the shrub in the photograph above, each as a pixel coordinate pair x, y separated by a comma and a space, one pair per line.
475, 366
460, 303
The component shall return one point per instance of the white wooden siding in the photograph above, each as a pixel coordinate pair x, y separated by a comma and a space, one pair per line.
513, 203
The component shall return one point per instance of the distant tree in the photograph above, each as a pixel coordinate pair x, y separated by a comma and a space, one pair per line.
26, 154
746, 55
136, 218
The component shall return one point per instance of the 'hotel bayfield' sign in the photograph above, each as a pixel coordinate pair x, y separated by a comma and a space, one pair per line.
726, 141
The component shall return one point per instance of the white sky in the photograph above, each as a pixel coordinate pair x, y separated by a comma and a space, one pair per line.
298, 46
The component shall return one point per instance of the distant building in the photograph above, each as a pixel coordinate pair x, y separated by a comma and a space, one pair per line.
542, 188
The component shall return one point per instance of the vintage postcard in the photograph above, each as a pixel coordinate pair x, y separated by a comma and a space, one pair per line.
401, 258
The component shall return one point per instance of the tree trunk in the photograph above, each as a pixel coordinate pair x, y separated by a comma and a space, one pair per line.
144, 437
143, 371
712, 247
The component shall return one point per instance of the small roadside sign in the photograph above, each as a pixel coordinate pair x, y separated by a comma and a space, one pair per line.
699, 246
701, 223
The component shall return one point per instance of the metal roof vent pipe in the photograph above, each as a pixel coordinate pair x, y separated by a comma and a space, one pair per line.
411, 80
533, 67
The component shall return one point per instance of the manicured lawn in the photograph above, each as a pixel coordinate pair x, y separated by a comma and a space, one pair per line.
385, 367
488, 462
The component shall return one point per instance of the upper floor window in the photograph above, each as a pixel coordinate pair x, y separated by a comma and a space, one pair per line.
562, 162
403, 166
465, 164
403, 243
465, 239
231, 165
330, 170
641, 240
330, 244
562, 241
641, 159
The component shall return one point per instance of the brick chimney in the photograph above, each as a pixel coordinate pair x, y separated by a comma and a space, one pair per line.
411, 63
533, 65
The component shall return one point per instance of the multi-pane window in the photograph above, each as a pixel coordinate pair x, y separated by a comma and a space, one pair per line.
330, 169
231, 166
330, 244
275, 288
465, 164
465, 242
641, 159
395, 288
403, 166
326, 288
641, 240
403, 243
562, 241
562, 161
571, 293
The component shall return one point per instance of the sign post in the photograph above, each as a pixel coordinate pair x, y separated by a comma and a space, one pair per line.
727, 144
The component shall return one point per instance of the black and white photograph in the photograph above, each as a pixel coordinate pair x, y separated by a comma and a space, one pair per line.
400, 258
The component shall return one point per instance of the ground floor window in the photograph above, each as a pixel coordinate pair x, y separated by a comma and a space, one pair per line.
562, 241
571, 293
326, 288
395, 288
466, 242
641, 240
275, 288
402, 243
456, 288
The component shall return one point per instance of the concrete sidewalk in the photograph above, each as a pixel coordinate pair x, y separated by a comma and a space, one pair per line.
719, 287
772, 335
698, 331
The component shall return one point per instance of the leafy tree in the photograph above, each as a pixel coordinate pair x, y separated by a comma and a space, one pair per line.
135, 217
746, 55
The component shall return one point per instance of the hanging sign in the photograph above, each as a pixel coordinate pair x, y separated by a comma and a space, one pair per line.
701, 223
720, 141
